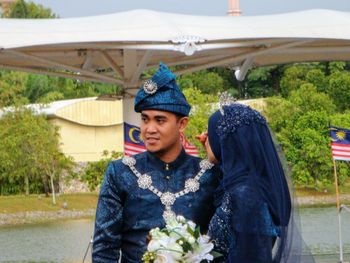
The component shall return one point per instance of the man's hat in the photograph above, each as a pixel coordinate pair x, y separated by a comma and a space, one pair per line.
162, 93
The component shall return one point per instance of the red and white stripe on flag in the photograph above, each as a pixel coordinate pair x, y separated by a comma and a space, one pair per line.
132, 149
341, 151
189, 148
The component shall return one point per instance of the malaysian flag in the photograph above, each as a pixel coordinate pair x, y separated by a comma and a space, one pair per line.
133, 143
340, 143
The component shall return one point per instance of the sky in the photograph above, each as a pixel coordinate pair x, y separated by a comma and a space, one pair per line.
78, 8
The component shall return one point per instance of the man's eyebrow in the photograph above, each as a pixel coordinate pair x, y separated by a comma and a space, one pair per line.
160, 117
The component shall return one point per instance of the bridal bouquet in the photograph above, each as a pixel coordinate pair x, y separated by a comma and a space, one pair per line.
180, 241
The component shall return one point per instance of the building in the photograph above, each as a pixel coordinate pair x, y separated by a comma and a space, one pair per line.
87, 126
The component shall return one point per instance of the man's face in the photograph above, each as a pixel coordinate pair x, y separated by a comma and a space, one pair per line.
160, 130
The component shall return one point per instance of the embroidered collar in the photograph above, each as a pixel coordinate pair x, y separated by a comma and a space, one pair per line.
159, 164
144, 181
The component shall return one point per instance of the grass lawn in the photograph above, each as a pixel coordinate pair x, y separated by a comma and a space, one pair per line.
330, 190
85, 201
22, 203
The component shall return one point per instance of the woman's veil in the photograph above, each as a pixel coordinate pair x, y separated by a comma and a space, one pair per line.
294, 248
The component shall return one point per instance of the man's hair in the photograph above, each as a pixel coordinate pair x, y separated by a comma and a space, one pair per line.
179, 116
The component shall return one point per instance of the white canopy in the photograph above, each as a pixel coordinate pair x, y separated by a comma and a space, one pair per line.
117, 48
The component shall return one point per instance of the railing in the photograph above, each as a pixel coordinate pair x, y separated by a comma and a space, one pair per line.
87, 249
347, 209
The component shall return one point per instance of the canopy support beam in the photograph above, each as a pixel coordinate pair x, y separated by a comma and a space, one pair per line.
53, 73
243, 56
141, 67
243, 70
109, 60
63, 67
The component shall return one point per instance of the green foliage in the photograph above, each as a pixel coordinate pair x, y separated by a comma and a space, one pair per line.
336, 66
317, 78
262, 82
302, 131
203, 105
206, 81
280, 112
339, 89
22, 9
292, 79
12, 88
306, 98
41, 88
29, 153
94, 172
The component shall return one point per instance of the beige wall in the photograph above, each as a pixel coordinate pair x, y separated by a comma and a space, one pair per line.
93, 112
87, 143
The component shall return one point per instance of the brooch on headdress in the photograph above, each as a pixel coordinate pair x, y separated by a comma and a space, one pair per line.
225, 99
150, 87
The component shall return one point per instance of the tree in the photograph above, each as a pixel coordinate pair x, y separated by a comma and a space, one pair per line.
339, 89
29, 153
22, 9
203, 105
94, 172
205, 81
262, 82
306, 98
12, 88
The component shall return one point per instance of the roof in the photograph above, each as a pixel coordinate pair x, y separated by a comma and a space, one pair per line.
117, 48
84, 111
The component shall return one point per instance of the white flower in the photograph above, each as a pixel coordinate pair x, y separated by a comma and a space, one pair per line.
156, 233
201, 251
166, 246
181, 219
172, 223
164, 258
192, 225
191, 240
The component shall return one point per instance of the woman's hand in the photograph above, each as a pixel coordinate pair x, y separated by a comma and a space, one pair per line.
202, 138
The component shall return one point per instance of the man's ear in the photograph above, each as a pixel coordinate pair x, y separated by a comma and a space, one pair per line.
183, 123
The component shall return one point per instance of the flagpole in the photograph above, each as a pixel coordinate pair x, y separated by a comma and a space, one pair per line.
338, 210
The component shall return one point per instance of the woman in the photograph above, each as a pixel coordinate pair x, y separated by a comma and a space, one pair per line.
252, 223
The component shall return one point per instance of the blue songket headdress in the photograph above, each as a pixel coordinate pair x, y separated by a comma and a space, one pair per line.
162, 93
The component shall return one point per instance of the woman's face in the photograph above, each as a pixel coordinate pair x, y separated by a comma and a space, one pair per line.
211, 156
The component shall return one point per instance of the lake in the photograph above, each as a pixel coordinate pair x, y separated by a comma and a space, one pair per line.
67, 241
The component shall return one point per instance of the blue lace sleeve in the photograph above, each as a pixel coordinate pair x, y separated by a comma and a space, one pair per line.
108, 224
220, 228
238, 241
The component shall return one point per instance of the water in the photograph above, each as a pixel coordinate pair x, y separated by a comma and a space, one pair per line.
67, 241
55, 242
320, 231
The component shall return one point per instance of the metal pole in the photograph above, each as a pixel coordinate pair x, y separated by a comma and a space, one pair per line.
87, 249
338, 211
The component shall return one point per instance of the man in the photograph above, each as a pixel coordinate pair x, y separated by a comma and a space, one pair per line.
139, 192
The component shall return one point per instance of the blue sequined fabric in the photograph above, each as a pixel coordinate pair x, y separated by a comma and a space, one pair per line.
235, 116
226, 227
126, 213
